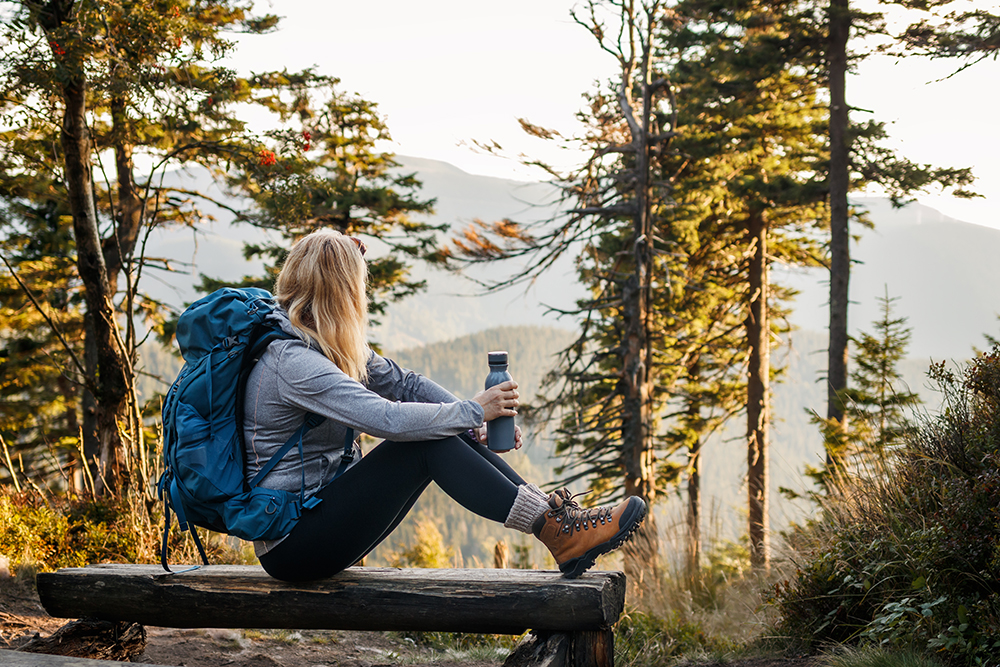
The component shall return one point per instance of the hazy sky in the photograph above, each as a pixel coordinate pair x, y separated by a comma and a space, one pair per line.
448, 72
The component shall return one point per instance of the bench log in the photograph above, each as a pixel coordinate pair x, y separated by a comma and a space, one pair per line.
360, 598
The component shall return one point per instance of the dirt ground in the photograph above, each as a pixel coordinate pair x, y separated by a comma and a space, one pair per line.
22, 618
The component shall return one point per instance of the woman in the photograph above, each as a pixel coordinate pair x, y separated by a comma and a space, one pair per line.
329, 370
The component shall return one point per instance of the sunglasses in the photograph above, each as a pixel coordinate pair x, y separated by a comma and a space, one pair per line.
362, 248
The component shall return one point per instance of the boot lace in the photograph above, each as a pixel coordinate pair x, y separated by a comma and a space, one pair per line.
574, 517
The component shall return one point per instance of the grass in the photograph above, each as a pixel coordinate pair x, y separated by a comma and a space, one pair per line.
877, 657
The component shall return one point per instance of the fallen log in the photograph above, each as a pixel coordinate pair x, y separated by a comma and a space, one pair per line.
229, 596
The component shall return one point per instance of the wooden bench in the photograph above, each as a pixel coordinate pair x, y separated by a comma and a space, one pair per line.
570, 619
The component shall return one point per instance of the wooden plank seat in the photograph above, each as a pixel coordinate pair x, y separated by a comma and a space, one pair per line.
570, 619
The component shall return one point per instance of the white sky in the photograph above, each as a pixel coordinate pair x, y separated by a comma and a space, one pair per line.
447, 72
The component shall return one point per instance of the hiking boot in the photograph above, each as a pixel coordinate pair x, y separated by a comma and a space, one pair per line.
576, 536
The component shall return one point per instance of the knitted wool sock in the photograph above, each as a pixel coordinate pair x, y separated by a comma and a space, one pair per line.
529, 504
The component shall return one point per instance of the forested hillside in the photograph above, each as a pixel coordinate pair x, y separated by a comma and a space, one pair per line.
460, 366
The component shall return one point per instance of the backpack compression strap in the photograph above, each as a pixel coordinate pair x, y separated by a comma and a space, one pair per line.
171, 496
311, 421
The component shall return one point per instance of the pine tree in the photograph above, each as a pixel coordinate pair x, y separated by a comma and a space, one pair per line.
877, 405
84, 82
110, 82
322, 169
40, 421
744, 151
754, 151
858, 158
972, 35
876, 402
607, 388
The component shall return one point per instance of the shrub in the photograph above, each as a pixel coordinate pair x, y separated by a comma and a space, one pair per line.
47, 532
908, 554
428, 549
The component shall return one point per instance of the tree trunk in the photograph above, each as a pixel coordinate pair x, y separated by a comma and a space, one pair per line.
120, 248
118, 255
113, 364
71, 468
642, 554
840, 259
91, 443
758, 408
694, 510
693, 545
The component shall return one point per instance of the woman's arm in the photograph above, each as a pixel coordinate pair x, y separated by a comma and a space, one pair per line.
311, 382
387, 378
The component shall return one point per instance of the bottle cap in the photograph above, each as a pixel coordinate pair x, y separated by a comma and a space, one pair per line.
498, 358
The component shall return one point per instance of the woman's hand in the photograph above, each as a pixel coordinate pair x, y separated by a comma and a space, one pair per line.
498, 401
481, 437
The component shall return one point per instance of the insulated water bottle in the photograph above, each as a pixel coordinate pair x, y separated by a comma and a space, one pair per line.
500, 431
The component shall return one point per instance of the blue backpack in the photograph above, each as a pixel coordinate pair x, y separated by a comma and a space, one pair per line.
221, 336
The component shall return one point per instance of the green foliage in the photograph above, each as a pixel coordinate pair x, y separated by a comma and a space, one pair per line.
157, 94
728, 564
152, 91
40, 420
647, 640
972, 35
321, 169
427, 549
877, 407
908, 555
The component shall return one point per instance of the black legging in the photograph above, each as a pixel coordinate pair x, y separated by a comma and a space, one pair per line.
361, 507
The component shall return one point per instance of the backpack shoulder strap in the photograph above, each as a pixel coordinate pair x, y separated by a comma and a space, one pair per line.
262, 336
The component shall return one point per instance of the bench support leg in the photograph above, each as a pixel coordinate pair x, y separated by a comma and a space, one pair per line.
588, 648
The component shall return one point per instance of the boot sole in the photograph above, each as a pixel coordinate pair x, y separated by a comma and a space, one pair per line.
574, 567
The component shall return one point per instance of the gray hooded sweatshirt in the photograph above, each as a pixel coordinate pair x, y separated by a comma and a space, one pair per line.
293, 378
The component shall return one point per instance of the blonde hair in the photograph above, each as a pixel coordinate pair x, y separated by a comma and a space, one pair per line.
322, 287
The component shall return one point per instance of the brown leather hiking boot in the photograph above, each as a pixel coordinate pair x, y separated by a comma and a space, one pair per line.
576, 536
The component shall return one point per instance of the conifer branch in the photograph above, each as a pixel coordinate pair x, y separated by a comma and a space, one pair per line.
52, 325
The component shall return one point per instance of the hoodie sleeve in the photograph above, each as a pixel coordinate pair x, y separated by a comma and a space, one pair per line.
398, 405
387, 378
